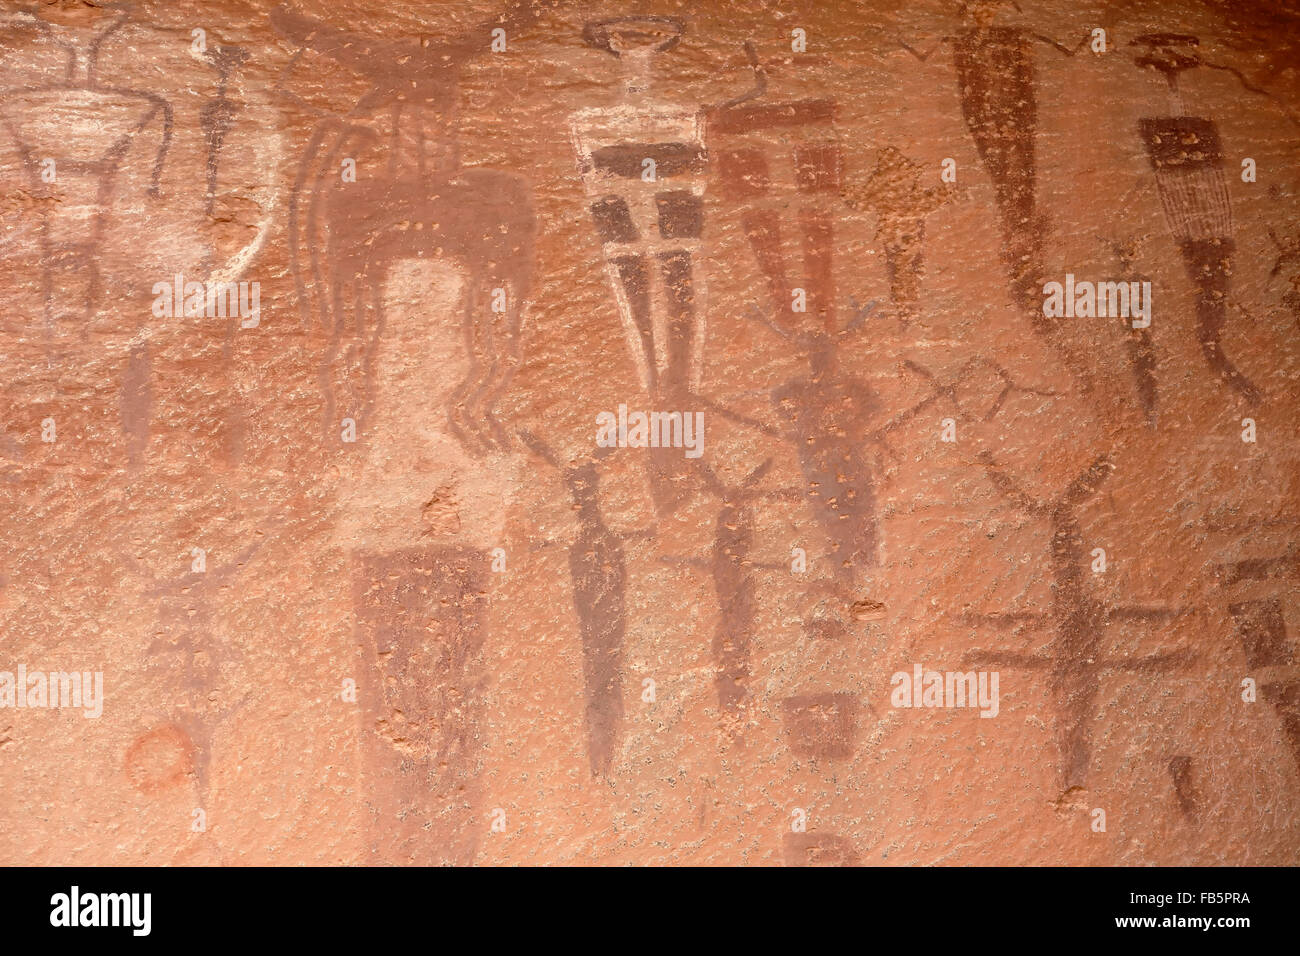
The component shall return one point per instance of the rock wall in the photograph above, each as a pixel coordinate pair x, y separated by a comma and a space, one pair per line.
964, 530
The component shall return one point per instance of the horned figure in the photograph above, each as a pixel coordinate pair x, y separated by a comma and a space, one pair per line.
1187, 157
1074, 659
411, 199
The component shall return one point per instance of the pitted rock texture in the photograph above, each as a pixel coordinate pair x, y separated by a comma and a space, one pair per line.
328, 331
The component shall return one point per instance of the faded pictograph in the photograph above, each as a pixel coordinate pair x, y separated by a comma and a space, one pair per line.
83, 142
78, 137
1261, 629
780, 163
1186, 155
822, 726
826, 416
1288, 259
217, 116
418, 270
995, 71
1182, 773
643, 165
818, 849
406, 195
1074, 660
190, 657
248, 199
894, 194
87, 125
1259, 623
598, 576
136, 405
735, 586
419, 617
733, 580
159, 759
1138, 341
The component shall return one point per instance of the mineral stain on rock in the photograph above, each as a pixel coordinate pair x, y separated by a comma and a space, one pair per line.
1180, 771
160, 759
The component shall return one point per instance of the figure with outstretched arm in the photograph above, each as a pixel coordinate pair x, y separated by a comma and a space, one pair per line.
996, 82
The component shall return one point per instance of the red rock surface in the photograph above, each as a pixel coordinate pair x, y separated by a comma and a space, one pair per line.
348, 670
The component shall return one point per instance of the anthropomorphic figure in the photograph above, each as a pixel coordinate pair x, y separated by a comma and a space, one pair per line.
86, 166
419, 271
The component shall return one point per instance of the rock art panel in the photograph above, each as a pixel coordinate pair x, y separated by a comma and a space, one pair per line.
315, 315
